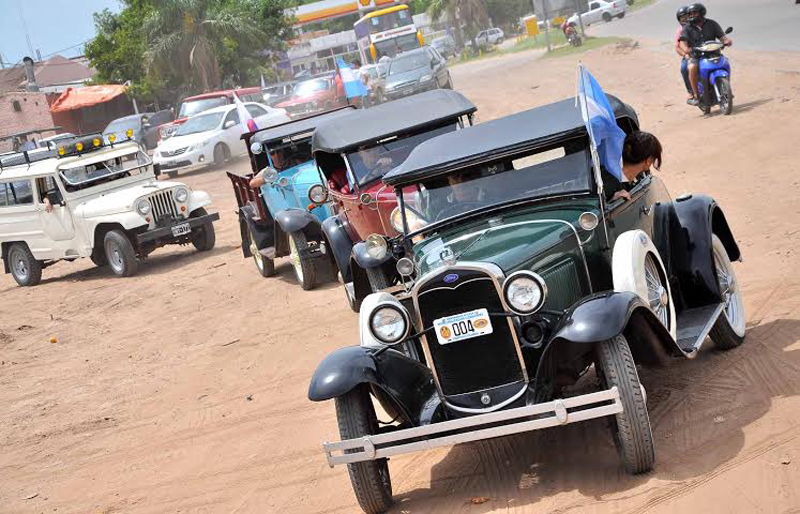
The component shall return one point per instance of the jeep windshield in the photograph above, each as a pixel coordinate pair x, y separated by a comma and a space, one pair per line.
371, 162
90, 174
201, 123
554, 171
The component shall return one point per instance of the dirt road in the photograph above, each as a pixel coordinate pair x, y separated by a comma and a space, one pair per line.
184, 389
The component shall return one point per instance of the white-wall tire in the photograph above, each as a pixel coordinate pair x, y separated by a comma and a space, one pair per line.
635, 264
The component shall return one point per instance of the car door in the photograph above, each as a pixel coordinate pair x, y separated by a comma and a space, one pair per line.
261, 115
636, 213
231, 133
595, 13
19, 216
57, 224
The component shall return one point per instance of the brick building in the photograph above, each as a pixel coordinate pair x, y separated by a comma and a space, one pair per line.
21, 111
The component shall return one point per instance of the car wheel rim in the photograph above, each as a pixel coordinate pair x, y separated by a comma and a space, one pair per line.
732, 306
657, 294
20, 266
256, 254
115, 258
294, 255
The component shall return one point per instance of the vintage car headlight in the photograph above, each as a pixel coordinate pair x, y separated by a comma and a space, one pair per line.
525, 292
318, 194
377, 248
256, 148
181, 194
389, 324
405, 267
270, 175
143, 206
414, 221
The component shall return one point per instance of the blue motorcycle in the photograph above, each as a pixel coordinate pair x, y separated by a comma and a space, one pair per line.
714, 85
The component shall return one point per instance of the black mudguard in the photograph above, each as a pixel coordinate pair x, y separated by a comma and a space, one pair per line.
682, 234
292, 220
365, 260
404, 382
340, 243
264, 233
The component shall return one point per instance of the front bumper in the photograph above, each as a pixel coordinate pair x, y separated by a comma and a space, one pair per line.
198, 157
396, 94
165, 233
475, 428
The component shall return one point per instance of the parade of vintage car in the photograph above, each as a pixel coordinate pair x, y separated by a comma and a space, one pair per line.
325, 256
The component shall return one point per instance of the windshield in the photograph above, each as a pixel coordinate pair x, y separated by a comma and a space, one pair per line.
545, 172
88, 175
392, 47
120, 126
202, 123
274, 90
311, 86
192, 107
370, 163
408, 63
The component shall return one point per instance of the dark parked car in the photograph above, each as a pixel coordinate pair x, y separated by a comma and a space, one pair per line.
518, 278
416, 71
277, 93
445, 45
145, 126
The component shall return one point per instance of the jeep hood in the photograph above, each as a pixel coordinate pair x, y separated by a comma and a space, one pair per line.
116, 201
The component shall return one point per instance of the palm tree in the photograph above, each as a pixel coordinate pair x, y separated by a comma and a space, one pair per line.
185, 35
473, 12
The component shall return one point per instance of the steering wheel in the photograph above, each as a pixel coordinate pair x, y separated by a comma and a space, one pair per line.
460, 206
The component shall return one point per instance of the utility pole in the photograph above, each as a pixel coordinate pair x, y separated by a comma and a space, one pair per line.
546, 25
580, 17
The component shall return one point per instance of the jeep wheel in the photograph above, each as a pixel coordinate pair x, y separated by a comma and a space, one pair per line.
729, 330
371, 482
631, 427
25, 269
303, 264
203, 237
264, 265
120, 254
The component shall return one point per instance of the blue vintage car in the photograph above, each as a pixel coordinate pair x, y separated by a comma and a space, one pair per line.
282, 203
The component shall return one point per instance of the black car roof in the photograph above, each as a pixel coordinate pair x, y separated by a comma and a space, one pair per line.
538, 126
389, 119
302, 126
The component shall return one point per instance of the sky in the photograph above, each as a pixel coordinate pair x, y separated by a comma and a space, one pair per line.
53, 26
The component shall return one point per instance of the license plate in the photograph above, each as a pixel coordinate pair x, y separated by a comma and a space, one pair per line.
459, 327
180, 230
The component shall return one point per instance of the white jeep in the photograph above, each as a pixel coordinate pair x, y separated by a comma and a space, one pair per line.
93, 199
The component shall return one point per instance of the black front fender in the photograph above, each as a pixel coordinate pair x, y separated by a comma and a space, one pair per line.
263, 233
340, 243
292, 220
405, 383
365, 260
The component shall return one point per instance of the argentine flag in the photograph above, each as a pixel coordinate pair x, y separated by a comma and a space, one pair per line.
601, 123
247, 121
353, 87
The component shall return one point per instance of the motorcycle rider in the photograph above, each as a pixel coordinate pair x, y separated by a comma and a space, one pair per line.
683, 18
570, 32
697, 31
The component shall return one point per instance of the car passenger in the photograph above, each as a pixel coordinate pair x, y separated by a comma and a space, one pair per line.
640, 151
277, 162
683, 19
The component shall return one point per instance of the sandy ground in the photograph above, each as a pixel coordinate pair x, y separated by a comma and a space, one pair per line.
183, 389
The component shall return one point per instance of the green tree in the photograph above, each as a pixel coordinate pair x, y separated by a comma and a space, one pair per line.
507, 12
472, 13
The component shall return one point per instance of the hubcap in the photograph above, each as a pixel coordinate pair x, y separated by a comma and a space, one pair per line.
294, 255
256, 254
657, 294
115, 258
732, 305
20, 267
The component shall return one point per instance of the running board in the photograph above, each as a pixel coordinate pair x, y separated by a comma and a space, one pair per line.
694, 325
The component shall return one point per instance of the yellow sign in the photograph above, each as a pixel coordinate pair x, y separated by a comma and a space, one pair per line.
532, 26
558, 21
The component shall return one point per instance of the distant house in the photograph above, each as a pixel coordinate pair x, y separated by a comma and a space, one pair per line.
54, 75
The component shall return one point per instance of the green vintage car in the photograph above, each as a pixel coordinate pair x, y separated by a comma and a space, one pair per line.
514, 278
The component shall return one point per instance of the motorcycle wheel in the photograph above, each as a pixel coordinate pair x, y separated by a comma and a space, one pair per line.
725, 95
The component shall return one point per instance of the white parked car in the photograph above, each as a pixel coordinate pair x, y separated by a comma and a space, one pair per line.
490, 37
600, 10
212, 137
94, 200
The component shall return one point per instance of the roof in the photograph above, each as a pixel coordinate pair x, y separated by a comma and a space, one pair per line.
48, 165
72, 99
381, 12
294, 128
56, 70
535, 127
223, 92
405, 115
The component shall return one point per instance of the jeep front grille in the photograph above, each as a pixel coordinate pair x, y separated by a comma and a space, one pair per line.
163, 205
473, 364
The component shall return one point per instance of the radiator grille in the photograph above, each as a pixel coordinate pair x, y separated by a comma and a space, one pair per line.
563, 286
163, 205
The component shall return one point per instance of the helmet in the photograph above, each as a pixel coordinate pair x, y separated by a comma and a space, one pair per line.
697, 12
683, 11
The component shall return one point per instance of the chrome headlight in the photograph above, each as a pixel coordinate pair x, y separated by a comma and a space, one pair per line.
270, 175
414, 221
377, 248
318, 194
143, 206
524, 292
256, 148
181, 195
389, 323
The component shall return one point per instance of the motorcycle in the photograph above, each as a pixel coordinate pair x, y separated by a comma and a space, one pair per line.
714, 84
573, 37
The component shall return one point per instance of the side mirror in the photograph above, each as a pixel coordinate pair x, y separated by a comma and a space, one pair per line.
228, 124
729, 30
55, 198
156, 169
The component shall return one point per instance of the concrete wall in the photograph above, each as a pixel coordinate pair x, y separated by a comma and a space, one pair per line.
34, 114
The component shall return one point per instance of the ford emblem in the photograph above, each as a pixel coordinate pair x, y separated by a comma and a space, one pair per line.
450, 278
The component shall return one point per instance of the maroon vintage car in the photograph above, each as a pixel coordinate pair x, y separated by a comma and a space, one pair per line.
353, 152
313, 96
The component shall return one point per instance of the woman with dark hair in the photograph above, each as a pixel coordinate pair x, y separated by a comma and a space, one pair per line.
640, 152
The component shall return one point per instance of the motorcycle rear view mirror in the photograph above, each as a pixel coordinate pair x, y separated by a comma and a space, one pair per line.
729, 30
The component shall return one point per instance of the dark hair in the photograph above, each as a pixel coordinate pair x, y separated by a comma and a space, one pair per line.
639, 146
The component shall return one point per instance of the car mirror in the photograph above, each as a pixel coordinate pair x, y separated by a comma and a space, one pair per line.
156, 169
729, 30
55, 198
228, 124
